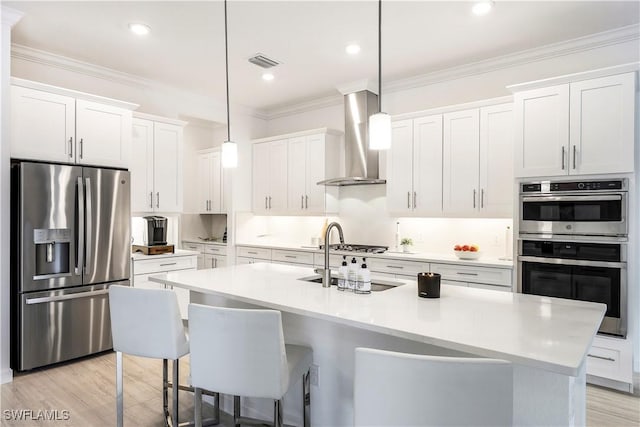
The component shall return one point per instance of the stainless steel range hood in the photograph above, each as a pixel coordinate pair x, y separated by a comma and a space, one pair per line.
361, 163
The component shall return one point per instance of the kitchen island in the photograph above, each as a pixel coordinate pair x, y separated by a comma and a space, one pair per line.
545, 338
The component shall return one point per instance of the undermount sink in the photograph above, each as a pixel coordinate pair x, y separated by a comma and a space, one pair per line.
377, 286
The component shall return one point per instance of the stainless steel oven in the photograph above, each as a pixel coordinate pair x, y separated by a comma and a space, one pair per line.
580, 270
574, 208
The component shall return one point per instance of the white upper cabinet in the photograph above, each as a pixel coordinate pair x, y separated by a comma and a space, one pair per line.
60, 125
287, 168
583, 127
496, 161
461, 167
414, 166
210, 182
156, 169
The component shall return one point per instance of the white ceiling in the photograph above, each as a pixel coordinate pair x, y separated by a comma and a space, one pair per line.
186, 47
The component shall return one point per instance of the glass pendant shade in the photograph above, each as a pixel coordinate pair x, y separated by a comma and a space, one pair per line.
380, 131
229, 154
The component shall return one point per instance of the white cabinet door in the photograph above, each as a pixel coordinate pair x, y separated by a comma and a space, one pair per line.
278, 176
297, 166
427, 165
261, 171
167, 167
42, 125
400, 168
602, 125
461, 166
204, 182
542, 131
496, 161
314, 197
141, 166
215, 183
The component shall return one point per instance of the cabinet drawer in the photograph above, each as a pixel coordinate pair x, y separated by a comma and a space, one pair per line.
405, 268
165, 264
292, 257
215, 250
610, 358
335, 261
495, 276
193, 246
256, 253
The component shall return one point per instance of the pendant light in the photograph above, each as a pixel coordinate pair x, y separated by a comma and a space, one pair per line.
380, 123
229, 148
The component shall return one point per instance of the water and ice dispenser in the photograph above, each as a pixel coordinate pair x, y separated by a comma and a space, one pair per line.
52, 252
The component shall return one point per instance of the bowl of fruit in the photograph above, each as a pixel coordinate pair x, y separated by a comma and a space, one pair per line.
467, 251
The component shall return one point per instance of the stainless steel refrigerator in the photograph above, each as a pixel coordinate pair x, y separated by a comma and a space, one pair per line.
70, 239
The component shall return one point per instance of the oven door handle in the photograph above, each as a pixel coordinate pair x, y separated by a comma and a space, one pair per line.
578, 262
604, 197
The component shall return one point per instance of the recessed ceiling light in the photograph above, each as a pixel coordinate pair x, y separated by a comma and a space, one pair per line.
352, 49
268, 77
139, 29
482, 8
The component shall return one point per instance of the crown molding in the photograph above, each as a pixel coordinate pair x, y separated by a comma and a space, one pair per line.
9, 16
49, 59
568, 47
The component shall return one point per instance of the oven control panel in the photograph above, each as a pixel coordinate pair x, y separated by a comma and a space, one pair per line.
573, 186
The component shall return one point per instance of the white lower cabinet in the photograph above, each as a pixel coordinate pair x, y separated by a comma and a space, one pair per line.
211, 255
292, 257
251, 255
144, 268
610, 358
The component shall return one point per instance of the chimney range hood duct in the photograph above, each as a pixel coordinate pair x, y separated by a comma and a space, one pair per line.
361, 163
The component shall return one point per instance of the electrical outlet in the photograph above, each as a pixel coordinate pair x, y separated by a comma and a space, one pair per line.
313, 372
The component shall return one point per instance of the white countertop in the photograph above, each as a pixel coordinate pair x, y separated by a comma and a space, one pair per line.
178, 252
205, 242
483, 261
540, 332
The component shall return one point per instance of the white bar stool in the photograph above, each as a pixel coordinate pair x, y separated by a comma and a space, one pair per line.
147, 323
403, 389
242, 353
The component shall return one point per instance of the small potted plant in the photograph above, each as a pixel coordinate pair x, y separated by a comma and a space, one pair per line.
405, 243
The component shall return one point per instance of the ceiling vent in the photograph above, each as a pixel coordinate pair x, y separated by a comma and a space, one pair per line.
263, 61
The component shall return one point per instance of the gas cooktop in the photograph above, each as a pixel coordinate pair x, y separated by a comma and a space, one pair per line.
372, 249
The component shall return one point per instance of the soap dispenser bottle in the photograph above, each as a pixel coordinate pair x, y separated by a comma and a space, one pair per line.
353, 274
343, 274
364, 279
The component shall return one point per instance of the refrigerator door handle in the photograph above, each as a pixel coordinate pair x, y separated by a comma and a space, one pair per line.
80, 230
88, 246
31, 301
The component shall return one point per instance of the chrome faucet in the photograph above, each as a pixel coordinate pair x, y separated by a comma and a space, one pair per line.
326, 271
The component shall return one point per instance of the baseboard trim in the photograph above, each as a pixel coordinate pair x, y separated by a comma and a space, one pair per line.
6, 376
608, 383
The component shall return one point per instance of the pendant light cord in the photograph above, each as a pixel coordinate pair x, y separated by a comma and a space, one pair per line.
226, 65
379, 56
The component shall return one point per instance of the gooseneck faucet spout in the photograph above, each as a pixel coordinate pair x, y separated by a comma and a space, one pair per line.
326, 271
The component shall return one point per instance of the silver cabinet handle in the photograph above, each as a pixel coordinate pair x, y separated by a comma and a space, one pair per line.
414, 199
301, 202
482, 198
252, 253
269, 202
76, 295
609, 359
158, 200
395, 266
215, 262
466, 274
574, 156
306, 202
265, 202
71, 147
291, 256
168, 264
474, 198
408, 200
81, 147
563, 157
151, 199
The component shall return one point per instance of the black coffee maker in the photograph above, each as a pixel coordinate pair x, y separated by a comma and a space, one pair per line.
156, 230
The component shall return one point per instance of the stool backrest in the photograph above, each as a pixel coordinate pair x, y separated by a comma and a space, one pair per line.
147, 322
239, 352
402, 389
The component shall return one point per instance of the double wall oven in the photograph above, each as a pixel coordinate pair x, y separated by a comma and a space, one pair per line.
573, 244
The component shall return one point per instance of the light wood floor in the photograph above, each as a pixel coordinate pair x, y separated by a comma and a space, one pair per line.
87, 390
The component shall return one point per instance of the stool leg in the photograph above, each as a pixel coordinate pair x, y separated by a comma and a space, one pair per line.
236, 410
197, 406
306, 399
165, 391
277, 413
119, 391
176, 390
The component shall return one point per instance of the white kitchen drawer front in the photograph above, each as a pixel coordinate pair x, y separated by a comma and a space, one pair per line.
292, 257
165, 264
610, 358
490, 287
335, 261
404, 268
215, 250
198, 247
489, 275
251, 252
